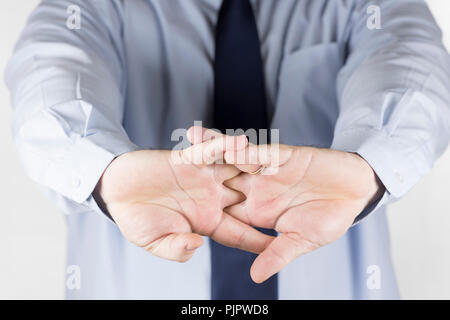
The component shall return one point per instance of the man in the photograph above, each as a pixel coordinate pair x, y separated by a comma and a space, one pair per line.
363, 83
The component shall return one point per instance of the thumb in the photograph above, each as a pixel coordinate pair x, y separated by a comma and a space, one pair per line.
280, 252
156, 229
176, 246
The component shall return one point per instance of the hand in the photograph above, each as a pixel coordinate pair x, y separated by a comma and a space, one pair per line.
164, 206
312, 197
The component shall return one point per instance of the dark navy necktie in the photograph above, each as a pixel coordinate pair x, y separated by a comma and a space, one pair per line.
239, 102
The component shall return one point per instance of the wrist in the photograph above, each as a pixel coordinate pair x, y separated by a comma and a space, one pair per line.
377, 188
97, 194
380, 190
105, 190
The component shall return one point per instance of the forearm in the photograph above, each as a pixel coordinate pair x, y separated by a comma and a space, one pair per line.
67, 95
394, 98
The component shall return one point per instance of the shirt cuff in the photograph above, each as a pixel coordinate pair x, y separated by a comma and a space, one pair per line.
80, 166
396, 169
88, 174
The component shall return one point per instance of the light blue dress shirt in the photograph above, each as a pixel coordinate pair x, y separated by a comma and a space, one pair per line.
137, 70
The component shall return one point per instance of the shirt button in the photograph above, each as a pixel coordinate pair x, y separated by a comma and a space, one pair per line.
399, 177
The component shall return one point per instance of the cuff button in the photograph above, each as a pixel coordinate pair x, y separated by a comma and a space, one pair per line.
399, 177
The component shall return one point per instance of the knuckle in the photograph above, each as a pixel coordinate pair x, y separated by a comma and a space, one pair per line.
276, 255
300, 244
239, 239
209, 157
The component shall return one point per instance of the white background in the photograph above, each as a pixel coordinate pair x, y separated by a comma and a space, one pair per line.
32, 231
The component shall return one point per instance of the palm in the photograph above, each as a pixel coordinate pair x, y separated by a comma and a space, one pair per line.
304, 192
157, 200
312, 200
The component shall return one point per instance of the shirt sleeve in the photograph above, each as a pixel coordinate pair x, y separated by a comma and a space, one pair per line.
67, 89
394, 93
